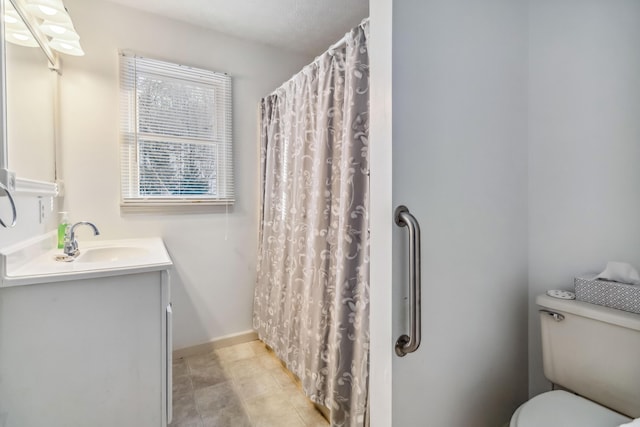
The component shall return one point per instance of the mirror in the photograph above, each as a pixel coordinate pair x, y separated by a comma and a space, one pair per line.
30, 99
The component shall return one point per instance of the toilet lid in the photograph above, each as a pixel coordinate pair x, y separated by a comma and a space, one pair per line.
561, 409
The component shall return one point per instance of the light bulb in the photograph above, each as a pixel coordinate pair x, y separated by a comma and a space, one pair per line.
59, 30
51, 10
13, 21
22, 38
70, 47
47, 10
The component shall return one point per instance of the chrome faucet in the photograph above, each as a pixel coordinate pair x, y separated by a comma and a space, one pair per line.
70, 242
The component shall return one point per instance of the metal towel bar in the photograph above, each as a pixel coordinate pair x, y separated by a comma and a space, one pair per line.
14, 213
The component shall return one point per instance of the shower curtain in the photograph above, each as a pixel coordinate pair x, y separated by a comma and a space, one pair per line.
311, 302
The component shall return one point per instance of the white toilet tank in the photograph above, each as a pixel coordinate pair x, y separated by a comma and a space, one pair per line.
593, 351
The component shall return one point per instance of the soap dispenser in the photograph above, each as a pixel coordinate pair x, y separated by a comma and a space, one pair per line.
62, 228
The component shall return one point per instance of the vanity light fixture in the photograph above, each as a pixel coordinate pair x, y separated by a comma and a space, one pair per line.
51, 17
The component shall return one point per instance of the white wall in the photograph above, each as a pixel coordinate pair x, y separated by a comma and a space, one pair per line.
584, 148
214, 253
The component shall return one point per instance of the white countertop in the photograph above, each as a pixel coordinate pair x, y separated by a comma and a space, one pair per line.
34, 261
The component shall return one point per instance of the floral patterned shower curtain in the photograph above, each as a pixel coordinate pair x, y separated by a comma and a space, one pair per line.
311, 302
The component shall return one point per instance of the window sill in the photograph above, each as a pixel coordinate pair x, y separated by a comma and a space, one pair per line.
180, 207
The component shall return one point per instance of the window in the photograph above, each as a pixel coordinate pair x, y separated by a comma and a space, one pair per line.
175, 135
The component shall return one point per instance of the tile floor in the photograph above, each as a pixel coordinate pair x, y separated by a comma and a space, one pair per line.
244, 385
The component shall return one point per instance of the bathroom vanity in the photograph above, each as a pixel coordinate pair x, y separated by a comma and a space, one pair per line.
88, 342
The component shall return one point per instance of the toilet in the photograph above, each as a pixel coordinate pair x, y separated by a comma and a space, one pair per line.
592, 353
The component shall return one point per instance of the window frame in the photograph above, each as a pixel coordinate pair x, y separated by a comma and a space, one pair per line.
131, 66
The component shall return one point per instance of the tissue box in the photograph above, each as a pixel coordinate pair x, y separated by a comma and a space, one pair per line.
609, 294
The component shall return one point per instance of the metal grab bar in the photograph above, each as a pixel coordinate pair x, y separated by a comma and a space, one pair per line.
13, 208
410, 343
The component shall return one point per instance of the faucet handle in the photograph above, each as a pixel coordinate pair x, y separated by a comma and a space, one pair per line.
70, 246
67, 233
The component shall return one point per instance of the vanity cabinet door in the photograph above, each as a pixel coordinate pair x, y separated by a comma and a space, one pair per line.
85, 353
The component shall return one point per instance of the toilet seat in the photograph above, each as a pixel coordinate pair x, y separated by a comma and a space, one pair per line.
562, 409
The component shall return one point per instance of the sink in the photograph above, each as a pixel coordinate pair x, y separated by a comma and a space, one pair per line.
37, 260
111, 254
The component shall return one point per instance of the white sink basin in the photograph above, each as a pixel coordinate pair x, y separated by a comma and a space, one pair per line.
34, 261
111, 254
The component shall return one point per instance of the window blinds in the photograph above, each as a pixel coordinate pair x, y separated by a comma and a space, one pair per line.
175, 134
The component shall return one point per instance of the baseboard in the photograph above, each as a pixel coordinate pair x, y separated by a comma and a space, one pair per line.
221, 342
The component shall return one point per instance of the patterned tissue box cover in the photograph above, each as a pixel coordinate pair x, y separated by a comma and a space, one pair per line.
609, 294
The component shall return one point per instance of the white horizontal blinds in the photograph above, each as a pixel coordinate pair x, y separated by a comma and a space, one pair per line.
176, 134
